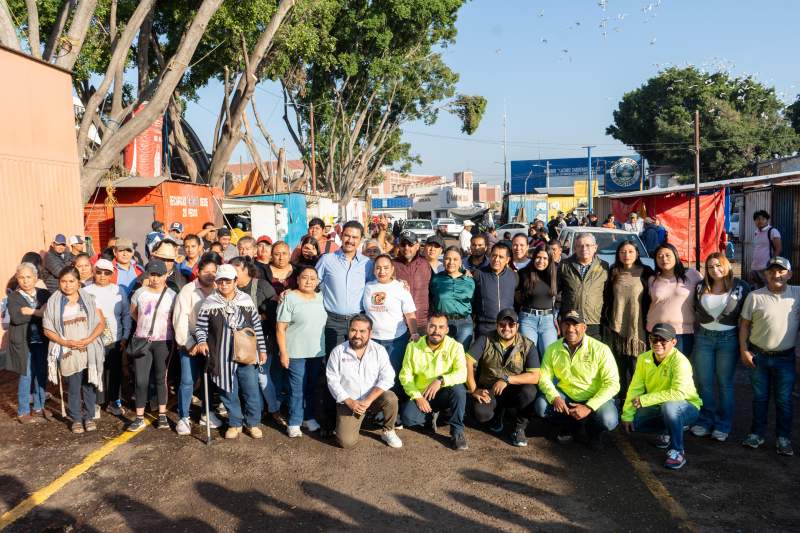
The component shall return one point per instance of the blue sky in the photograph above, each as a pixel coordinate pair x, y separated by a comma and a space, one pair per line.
559, 78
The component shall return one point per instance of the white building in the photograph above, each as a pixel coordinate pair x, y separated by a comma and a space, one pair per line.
436, 202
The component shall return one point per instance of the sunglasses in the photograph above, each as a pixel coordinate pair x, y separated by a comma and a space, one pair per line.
658, 340
100, 272
222, 281
507, 325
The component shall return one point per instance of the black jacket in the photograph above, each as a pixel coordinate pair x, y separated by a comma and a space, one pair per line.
493, 293
53, 264
730, 315
17, 360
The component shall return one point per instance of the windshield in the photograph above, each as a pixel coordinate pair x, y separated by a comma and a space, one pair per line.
446, 221
417, 224
607, 243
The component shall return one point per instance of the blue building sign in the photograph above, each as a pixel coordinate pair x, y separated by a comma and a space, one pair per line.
614, 173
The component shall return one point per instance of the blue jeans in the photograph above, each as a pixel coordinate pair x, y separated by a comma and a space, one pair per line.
541, 329
668, 417
462, 331
453, 398
778, 374
303, 376
605, 418
272, 381
36, 378
715, 357
396, 348
685, 343
191, 370
245, 379
79, 385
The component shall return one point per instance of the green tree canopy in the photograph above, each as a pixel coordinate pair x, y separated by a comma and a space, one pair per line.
741, 121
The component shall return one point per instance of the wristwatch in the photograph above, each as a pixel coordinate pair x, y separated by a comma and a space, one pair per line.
505, 378
441, 378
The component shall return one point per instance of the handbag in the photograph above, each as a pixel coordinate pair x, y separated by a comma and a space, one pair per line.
245, 347
140, 346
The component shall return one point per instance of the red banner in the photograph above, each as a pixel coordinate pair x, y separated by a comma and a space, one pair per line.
676, 213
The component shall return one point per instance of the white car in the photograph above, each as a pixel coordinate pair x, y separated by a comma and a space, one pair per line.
514, 228
448, 226
607, 242
421, 227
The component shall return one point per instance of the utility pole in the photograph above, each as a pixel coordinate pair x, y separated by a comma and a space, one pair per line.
547, 176
313, 152
697, 189
589, 165
505, 151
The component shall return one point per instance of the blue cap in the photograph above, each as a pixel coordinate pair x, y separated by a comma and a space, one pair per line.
60, 239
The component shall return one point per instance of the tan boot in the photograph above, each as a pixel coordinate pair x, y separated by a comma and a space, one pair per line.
232, 433
254, 432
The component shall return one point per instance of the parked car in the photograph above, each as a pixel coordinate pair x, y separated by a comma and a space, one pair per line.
513, 228
734, 232
607, 242
420, 227
448, 226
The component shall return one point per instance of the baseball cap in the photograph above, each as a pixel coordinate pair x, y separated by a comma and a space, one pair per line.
408, 236
176, 226
104, 264
435, 240
223, 232
779, 262
225, 272
573, 316
157, 267
75, 239
664, 331
60, 239
507, 314
124, 244
469, 223
264, 238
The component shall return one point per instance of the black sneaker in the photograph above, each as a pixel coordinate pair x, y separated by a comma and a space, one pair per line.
519, 439
137, 424
163, 422
496, 424
460, 442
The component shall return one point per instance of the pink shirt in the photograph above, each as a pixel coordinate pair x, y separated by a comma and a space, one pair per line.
672, 302
761, 246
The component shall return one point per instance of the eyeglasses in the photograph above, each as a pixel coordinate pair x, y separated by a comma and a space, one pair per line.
223, 281
507, 325
99, 272
658, 340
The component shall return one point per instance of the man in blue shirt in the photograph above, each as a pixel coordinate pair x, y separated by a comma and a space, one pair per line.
343, 274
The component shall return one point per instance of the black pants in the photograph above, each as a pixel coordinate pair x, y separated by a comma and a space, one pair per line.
519, 397
336, 329
112, 375
484, 328
156, 357
593, 330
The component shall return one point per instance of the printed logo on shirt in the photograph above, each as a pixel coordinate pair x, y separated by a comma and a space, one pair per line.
378, 298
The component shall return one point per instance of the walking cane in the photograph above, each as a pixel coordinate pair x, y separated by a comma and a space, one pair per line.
208, 407
61, 391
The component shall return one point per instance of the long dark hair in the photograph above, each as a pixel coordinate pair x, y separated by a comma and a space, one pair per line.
530, 276
617, 266
679, 270
308, 239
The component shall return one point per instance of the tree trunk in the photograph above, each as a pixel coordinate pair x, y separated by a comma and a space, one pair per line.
58, 27
165, 85
143, 50
8, 35
33, 29
77, 33
179, 140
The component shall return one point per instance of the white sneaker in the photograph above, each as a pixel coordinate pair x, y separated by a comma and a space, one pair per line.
699, 431
97, 411
311, 425
183, 427
391, 439
213, 418
720, 436
294, 432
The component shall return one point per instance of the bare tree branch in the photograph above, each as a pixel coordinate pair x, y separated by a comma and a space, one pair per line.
255, 155
58, 27
33, 29
8, 35
143, 50
77, 33
179, 142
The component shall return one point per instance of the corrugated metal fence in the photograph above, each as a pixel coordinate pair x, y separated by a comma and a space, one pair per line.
785, 206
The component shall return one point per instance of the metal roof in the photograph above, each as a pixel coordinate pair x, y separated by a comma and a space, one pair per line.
140, 181
738, 182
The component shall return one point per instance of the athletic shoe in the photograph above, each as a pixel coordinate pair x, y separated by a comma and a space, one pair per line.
115, 409
719, 435
221, 411
293, 431
183, 427
162, 423
311, 425
254, 432
699, 431
391, 439
675, 460
434, 422
232, 432
136, 425
213, 418
97, 411
564, 438
459, 441
752, 441
662, 442
76, 428
496, 425
90, 425
519, 439
784, 446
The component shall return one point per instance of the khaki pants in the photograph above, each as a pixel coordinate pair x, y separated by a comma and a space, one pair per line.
348, 424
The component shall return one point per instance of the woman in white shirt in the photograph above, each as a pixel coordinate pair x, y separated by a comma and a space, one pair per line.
718, 304
389, 304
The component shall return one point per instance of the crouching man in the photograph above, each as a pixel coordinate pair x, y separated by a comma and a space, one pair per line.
662, 398
359, 378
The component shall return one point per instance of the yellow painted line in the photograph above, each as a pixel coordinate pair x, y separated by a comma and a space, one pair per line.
656, 488
43, 494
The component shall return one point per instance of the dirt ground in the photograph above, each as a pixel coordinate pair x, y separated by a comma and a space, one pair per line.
161, 482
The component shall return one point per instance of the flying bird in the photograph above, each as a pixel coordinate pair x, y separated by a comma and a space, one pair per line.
541, 13
653, 40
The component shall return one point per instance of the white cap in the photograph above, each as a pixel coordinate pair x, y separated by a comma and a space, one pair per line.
225, 272
75, 239
104, 264
469, 223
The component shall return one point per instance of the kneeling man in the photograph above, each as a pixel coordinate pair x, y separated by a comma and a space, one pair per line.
577, 383
662, 398
359, 378
507, 373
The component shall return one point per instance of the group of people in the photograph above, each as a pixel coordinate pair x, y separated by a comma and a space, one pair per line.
404, 334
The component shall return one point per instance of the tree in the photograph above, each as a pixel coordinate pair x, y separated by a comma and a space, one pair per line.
741, 122
793, 114
380, 67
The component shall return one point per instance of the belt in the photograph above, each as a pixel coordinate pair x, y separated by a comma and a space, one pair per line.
540, 312
781, 353
458, 317
337, 316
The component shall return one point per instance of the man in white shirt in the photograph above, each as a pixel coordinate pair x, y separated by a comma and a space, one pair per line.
360, 377
634, 224
766, 244
465, 237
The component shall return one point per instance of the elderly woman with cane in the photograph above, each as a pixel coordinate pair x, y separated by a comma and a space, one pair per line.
73, 323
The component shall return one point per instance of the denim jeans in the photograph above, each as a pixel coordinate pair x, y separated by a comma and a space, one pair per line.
396, 348
192, 368
303, 376
79, 385
462, 331
112, 375
778, 374
453, 398
245, 379
715, 357
541, 329
685, 343
272, 382
36, 378
605, 418
668, 417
